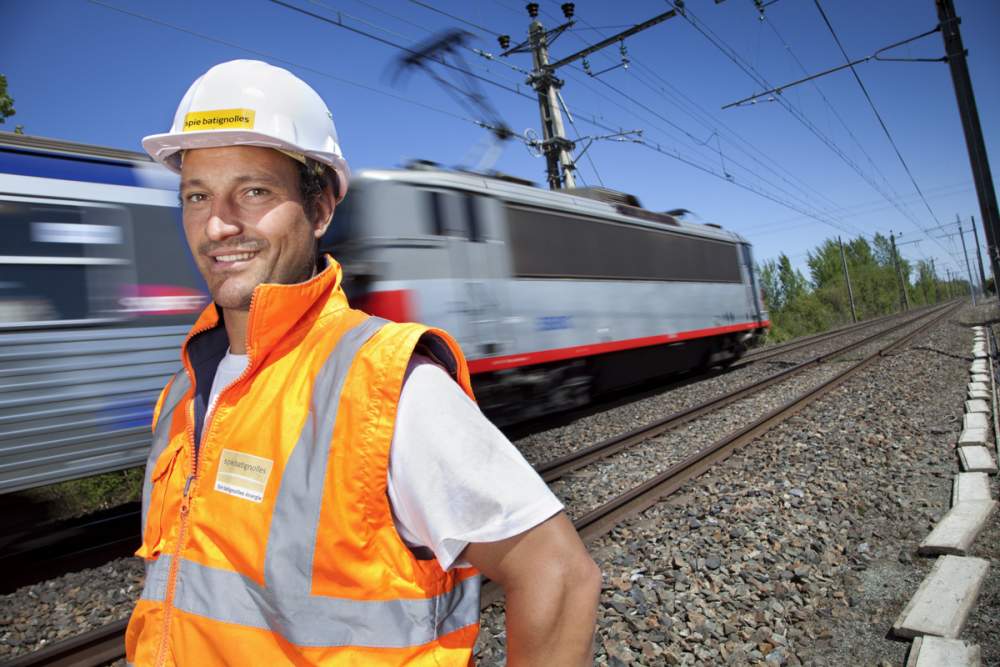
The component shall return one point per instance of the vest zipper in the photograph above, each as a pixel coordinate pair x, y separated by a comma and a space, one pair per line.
188, 494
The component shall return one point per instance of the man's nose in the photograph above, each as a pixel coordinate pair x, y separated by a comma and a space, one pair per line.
222, 223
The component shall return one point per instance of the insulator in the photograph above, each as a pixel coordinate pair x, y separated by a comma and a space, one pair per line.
504, 41
532, 8
568, 9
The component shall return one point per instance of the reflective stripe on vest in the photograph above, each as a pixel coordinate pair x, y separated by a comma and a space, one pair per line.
314, 620
284, 604
287, 566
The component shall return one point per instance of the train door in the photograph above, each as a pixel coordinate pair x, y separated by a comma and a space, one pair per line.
750, 281
485, 286
475, 302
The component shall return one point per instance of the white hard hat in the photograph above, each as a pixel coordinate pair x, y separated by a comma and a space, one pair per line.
251, 103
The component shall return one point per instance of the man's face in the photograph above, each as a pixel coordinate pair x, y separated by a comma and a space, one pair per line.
245, 222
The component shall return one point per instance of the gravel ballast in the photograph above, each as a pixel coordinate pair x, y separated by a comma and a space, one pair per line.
801, 547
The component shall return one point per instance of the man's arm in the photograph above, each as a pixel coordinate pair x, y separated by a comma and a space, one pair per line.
552, 586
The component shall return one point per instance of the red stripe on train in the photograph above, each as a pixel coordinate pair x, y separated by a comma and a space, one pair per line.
561, 354
397, 305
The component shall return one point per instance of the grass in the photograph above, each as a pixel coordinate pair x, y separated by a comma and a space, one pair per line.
83, 496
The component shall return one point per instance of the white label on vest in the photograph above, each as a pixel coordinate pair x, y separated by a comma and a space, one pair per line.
243, 475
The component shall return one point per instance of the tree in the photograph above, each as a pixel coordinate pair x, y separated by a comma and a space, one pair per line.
791, 281
6, 101
798, 306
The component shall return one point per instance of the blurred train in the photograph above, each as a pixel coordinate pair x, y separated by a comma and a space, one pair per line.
554, 296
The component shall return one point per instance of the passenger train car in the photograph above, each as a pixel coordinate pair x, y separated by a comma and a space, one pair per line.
554, 296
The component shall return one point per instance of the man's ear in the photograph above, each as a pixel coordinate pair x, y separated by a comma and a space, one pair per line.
323, 212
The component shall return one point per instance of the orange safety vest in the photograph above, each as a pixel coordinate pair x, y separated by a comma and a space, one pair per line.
268, 537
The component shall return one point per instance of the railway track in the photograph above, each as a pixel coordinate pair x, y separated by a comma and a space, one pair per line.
605, 517
556, 468
54, 548
106, 644
764, 353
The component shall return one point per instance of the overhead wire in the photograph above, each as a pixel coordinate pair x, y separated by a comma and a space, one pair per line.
285, 61
881, 121
754, 157
593, 121
675, 154
829, 105
758, 78
875, 110
401, 47
452, 16
696, 141
699, 114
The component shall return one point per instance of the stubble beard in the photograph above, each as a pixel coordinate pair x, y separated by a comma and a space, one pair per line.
236, 292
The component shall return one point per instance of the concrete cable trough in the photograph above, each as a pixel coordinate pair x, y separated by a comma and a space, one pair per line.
936, 614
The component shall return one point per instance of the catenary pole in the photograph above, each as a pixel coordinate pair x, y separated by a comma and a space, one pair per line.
968, 267
979, 257
937, 287
969, 114
555, 145
847, 279
904, 300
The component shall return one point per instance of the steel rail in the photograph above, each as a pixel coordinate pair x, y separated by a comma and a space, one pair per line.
90, 649
558, 467
604, 518
760, 354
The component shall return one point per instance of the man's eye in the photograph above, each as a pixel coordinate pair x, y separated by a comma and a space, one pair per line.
256, 192
194, 198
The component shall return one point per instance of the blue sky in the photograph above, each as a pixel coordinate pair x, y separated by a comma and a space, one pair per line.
110, 71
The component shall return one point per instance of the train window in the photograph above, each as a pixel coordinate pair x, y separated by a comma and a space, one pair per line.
472, 216
63, 263
448, 216
437, 214
547, 244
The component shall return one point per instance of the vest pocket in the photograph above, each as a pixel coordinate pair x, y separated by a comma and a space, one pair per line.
155, 523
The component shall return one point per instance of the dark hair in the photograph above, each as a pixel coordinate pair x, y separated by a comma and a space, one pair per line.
313, 178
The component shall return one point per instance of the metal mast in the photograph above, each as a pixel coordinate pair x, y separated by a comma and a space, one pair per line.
955, 53
555, 145
968, 267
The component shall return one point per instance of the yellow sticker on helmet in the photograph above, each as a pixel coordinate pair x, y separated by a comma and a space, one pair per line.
218, 119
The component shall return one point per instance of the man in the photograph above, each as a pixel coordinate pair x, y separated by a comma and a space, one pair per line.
321, 487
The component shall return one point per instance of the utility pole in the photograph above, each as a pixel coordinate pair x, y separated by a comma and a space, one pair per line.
979, 255
955, 52
904, 300
968, 267
847, 279
937, 287
555, 145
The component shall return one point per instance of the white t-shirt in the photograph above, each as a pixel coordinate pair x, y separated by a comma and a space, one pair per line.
454, 478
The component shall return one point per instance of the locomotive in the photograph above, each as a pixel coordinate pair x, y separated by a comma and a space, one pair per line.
555, 297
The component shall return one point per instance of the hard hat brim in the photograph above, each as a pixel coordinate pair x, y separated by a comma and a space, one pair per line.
166, 149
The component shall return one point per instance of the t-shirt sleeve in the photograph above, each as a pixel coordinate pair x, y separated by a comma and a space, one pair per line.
454, 478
